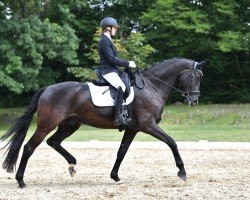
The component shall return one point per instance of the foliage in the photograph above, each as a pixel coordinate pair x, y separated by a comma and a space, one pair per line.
43, 42
135, 48
233, 41
83, 74
26, 45
217, 30
176, 25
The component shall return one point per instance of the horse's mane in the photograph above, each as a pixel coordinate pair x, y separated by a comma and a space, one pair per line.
166, 63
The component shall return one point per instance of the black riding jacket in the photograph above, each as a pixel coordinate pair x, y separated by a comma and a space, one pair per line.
108, 56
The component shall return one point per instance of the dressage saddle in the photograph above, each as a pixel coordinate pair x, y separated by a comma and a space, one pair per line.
124, 77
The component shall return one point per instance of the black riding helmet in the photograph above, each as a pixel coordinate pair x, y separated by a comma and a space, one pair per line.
108, 21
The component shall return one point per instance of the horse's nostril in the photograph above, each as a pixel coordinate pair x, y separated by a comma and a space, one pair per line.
195, 102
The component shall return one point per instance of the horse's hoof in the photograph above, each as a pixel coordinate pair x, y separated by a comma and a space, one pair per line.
119, 182
115, 178
72, 171
182, 175
21, 184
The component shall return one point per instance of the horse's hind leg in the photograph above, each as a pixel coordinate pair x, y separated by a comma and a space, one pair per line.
65, 129
47, 121
28, 150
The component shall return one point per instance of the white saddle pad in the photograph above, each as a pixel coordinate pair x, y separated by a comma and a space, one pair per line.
101, 95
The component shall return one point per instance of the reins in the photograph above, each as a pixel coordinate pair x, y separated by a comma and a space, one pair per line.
182, 93
176, 89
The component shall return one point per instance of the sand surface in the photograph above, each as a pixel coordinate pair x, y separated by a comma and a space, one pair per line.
214, 171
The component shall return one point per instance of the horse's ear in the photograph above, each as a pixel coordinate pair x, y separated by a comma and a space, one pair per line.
202, 64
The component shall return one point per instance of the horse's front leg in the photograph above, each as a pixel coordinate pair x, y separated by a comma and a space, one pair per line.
126, 141
155, 131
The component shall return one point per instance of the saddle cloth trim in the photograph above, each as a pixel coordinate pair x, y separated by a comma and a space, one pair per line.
101, 97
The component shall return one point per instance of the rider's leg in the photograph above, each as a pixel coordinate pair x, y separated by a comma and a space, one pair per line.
119, 118
116, 81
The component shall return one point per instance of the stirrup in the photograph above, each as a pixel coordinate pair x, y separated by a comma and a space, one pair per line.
120, 120
127, 120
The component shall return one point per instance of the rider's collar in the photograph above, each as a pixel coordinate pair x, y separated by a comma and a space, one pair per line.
108, 36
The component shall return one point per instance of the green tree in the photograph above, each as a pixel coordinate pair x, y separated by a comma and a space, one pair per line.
127, 12
83, 18
27, 46
217, 30
135, 47
230, 60
182, 29
23, 9
43, 42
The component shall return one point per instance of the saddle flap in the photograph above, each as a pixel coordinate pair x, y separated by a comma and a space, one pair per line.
101, 95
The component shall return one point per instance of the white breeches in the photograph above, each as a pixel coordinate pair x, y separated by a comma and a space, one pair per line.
115, 80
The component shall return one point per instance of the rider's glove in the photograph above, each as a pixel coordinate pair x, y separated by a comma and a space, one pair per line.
132, 64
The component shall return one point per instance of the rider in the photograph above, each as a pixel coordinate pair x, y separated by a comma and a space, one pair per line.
109, 65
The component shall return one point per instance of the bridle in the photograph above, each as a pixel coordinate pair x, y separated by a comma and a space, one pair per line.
191, 82
183, 93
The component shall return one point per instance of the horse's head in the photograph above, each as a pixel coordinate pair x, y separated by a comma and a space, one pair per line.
190, 80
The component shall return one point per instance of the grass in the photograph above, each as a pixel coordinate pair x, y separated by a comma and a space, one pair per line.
183, 123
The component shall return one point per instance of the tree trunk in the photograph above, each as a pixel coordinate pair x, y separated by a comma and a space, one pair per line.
23, 9
239, 67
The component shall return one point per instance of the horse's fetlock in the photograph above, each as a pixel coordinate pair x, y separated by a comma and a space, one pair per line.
180, 165
113, 174
72, 161
19, 177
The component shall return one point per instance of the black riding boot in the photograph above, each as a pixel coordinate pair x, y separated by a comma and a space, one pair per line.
120, 119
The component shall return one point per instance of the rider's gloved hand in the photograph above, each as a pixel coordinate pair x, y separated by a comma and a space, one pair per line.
132, 64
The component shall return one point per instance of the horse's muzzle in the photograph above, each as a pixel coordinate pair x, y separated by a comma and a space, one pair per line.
192, 101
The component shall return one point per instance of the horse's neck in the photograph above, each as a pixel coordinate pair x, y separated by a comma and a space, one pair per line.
167, 74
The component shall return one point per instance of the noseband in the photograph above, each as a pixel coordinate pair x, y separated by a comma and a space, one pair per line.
183, 93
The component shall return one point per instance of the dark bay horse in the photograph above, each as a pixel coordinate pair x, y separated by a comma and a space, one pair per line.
68, 105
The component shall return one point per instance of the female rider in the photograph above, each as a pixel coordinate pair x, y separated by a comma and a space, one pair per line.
109, 65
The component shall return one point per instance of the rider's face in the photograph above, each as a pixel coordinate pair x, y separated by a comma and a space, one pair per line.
113, 30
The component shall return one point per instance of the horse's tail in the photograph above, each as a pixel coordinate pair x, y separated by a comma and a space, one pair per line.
19, 131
